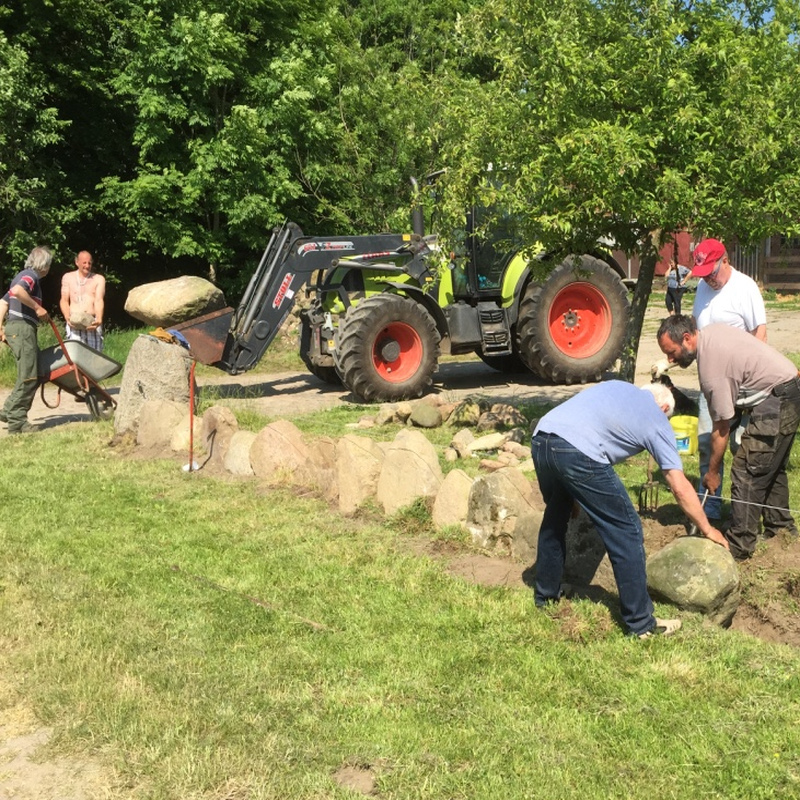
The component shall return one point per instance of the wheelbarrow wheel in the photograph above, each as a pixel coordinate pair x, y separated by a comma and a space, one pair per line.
100, 405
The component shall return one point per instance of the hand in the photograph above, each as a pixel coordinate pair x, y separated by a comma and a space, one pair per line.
712, 481
2, 334
94, 326
716, 537
42, 314
660, 368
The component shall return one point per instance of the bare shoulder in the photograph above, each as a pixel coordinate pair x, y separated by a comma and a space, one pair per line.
68, 278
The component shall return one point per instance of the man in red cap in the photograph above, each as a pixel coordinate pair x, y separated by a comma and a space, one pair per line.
728, 296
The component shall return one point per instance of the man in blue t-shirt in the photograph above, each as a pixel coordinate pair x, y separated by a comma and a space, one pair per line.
574, 449
23, 303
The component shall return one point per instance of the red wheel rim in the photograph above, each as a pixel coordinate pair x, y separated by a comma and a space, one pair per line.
397, 352
580, 320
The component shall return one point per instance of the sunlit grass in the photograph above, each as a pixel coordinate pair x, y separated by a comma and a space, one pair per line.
215, 639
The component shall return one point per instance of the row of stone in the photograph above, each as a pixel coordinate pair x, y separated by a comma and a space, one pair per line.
501, 511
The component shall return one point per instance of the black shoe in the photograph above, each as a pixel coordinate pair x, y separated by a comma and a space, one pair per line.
26, 427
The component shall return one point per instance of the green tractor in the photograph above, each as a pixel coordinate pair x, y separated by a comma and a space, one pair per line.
380, 312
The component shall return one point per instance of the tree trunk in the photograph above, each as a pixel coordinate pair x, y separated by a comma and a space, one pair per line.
641, 296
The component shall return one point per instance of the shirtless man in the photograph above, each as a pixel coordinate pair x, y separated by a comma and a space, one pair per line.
83, 302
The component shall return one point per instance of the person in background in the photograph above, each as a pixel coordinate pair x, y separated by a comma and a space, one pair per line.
23, 305
728, 296
739, 372
574, 448
83, 302
676, 286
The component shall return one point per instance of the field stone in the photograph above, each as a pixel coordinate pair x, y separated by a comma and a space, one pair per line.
492, 441
179, 441
158, 421
461, 441
696, 574
169, 302
279, 450
425, 415
357, 465
466, 414
219, 425
154, 370
237, 456
452, 499
505, 512
410, 470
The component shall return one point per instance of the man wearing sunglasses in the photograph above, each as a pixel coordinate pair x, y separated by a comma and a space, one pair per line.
724, 295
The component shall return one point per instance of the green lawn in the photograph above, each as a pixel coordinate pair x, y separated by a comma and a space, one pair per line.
212, 639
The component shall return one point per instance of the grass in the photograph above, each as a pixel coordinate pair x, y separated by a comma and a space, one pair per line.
218, 640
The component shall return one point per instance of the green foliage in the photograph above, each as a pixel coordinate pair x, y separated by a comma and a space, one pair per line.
28, 126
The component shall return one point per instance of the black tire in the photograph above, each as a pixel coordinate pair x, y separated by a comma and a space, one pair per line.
387, 348
572, 327
100, 407
324, 373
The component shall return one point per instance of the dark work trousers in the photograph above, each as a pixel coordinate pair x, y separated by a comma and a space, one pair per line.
673, 299
759, 485
566, 474
21, 337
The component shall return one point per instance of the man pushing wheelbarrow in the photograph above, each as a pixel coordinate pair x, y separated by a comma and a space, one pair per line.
73, 366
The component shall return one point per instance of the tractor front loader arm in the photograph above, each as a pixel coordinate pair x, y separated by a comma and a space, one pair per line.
235, 340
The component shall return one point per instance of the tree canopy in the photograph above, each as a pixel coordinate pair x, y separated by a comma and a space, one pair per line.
170, 135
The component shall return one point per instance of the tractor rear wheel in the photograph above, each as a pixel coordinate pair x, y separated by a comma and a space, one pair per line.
387, 348
325, 373
572, 327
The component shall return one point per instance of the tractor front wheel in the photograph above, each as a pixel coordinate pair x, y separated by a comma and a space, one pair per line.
572, 327
387, 348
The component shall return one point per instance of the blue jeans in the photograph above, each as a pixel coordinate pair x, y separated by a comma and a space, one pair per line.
565, 475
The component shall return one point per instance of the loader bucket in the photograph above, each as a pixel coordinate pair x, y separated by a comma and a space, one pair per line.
207, 335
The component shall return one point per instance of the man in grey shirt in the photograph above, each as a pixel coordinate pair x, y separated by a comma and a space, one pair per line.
741, 374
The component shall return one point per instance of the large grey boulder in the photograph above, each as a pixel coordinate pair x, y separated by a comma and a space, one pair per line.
358, 466
169, 302
695, 574
154, 370
452, 500
410, 470
505, 513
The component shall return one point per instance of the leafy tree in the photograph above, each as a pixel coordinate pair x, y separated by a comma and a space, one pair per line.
609, 118
28, 126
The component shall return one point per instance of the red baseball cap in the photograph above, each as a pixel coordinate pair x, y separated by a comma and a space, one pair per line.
706, 255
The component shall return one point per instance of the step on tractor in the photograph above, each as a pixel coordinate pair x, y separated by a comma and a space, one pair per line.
379, 312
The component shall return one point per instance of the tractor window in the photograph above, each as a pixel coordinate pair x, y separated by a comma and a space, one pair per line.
493, 254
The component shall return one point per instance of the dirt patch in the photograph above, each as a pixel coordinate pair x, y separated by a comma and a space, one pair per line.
29, 772
770, 606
